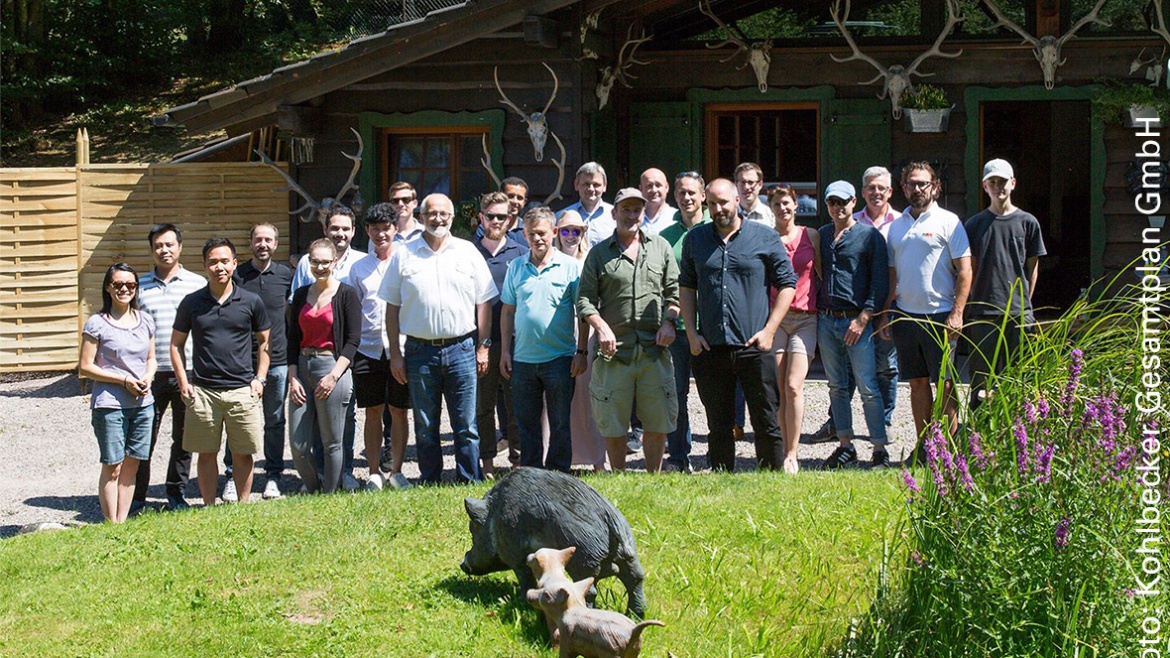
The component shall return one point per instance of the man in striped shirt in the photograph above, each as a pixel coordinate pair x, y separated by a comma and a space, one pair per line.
159, 292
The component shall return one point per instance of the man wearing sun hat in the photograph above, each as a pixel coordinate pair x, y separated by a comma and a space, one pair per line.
1006, 247
854, 286
629, 294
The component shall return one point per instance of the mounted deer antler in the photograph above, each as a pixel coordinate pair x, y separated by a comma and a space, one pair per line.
1155, 71
1153, 65
1047, 48
589, 23
486, 161
620, 71
759, 53
556, 194
897, 77
322, 209
537, 121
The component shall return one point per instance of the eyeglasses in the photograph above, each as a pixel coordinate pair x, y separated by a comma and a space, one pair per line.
401, 199
570, 231
438, 214
124, 285
880, 189
750, 183
496, 217
834, 201
320, 263
918, 184
688, 174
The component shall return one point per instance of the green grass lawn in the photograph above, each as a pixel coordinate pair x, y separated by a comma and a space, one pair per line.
736, 565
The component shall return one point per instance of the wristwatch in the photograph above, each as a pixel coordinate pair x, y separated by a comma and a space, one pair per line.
580, 352
258, 381
485, 343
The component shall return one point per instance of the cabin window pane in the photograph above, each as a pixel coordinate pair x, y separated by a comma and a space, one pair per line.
783, 140
436, 160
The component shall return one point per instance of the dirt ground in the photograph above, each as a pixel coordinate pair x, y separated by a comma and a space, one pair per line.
49, 458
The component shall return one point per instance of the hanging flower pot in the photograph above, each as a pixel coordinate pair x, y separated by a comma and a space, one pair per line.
1140, 114
927, 121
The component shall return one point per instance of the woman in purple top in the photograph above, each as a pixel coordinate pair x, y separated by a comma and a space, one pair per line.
117, 353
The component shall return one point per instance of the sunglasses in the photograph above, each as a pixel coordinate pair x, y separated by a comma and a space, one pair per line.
688, 174
571, 231
495, 217
402, 199
124, 285
838, 202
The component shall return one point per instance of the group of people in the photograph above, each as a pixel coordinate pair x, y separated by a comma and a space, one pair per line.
582, 323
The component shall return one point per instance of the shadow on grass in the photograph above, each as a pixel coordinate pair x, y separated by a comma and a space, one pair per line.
505, 598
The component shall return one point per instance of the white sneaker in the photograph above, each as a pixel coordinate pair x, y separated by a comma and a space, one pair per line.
349, 482
229, 491
374, 483
272, 490
398, 481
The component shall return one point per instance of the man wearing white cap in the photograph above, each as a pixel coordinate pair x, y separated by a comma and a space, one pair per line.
1006, 247
853, 291
629, 294
930, 276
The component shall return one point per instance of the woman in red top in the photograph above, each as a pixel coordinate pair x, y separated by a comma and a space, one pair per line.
796, 339
323, 337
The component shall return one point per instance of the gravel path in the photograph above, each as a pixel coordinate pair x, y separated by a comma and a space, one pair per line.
49, 460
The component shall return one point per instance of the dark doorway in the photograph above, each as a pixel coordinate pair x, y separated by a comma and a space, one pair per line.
1047, 143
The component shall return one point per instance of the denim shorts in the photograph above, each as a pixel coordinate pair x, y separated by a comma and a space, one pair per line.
123, 433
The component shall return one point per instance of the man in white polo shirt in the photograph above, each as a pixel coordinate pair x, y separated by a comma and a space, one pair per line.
930, 277
590, 183
436, 288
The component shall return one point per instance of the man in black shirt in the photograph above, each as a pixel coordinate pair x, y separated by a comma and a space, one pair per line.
1006, 247
270, 280
727, 268
225, 389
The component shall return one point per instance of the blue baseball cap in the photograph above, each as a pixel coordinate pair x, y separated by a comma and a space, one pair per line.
841, 189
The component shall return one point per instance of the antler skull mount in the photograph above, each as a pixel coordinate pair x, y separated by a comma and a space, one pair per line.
759, 53
896, 78
620, 71
324, 208
1046, 49
537, 121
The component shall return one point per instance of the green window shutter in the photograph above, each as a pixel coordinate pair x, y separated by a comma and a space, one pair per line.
660, 136
856, 135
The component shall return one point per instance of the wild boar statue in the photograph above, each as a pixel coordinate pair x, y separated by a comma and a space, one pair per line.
530, 509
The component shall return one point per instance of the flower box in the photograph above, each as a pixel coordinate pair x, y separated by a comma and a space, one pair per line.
927, 121
1143, 113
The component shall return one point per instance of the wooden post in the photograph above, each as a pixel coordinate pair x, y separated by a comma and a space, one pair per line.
82, 146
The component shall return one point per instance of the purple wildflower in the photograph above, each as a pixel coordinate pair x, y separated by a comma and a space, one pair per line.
1042, 407
1043, 466
1124, 461
918, 559
964, 474
935, 449
1030, 412
981, 459
1022, 455
910, 482
1074, 377
1060, 539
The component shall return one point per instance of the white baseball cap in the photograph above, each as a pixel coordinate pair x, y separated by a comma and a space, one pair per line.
998, 168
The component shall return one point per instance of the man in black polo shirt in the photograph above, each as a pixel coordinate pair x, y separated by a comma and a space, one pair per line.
270, 280
727, 268
225, 389
855, 282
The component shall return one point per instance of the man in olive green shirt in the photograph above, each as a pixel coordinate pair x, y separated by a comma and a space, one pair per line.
629, 294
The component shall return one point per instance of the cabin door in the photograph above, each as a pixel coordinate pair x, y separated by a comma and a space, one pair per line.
1048, 145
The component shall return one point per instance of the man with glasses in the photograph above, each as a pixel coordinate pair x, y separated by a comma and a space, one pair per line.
726, 271
159, 293
876, 189
590, 184
1006, 247
404, 200
689, 194
749, 180
498, 248
438, 292
853, 290
930, 277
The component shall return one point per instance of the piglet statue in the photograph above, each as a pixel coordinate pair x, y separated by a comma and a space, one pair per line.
530, 509
585, 631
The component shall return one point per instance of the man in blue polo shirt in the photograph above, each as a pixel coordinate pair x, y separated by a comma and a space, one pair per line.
545, 358
853, 289
225, 390
727, 268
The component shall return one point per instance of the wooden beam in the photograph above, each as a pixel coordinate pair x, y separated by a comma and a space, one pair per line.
354, 64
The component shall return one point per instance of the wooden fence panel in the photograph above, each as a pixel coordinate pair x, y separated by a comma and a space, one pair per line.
61, 228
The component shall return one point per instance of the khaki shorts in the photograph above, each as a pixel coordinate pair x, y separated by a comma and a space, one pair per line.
212, 410
797, 334
615, 386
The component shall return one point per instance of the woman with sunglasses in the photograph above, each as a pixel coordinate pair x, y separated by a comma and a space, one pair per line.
796, 340
588, 445
117, 353
323, 336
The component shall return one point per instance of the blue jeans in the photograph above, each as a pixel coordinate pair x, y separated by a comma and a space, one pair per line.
434, 374
839, 359
318, 425
678, 442
275, 392
534, 384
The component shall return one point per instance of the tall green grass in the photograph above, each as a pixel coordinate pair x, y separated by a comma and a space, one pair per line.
1023, 525
752, 564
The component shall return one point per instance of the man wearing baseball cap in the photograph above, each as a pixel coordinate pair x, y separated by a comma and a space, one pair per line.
854, 287
1006, 247
629, 294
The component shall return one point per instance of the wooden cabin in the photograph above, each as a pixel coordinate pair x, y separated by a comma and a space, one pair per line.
423, 97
